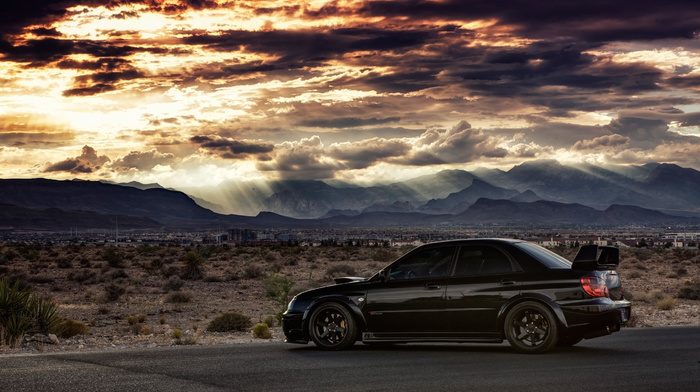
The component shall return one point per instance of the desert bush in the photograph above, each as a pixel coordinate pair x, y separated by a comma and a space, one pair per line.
178, 297
232, 321
113, 292
173, 284
634, 274
177, 334
113, 257
335, 271
666, 303
64, 262
193, 266
131, 320
262, 331
690, 291
278, 289
270, 320
118, 274
67, 328
253, 272
82, 276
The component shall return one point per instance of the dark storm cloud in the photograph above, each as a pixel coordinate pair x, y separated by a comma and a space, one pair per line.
591, 21
230, 148
347, 122
87, 162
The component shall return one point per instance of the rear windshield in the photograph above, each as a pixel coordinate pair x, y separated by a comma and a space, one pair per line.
545, 256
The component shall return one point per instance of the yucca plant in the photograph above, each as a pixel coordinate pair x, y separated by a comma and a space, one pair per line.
22, 312
43, 311
15, 328
193, 266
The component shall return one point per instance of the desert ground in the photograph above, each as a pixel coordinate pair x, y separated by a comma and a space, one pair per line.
147, 296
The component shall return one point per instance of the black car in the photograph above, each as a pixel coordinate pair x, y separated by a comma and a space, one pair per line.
475, 290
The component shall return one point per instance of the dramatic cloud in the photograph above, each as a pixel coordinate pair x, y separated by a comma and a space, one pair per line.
603, 142
346, 89
142, 160
87, 162
232, 149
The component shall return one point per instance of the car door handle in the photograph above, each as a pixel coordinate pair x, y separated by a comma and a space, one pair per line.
431, 286
506, 282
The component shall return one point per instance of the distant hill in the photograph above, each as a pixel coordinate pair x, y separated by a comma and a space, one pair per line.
76, 203
664, 187
542, 192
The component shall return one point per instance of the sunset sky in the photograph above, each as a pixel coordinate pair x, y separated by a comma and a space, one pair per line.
195, 92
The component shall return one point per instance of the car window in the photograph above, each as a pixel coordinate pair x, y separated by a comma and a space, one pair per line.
545, 256
427, 263
482, 260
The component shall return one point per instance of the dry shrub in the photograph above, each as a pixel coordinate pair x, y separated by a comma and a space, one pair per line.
262, 331
667, 303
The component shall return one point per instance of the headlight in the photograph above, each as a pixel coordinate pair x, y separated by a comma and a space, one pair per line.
291, 303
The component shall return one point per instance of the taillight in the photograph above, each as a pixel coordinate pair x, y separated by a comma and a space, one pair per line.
594, 286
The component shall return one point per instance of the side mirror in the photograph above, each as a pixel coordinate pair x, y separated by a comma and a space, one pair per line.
383, 276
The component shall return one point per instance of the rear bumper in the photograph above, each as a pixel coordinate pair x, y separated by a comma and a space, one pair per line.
592, 319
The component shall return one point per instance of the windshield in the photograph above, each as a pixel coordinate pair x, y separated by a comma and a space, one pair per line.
549, 258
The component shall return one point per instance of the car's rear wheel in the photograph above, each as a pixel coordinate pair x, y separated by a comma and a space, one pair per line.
531, 328
332, 327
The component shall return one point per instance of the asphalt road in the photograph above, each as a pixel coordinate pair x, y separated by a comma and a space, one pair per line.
652, 359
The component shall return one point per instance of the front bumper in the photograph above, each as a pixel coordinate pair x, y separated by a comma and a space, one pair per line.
293, 328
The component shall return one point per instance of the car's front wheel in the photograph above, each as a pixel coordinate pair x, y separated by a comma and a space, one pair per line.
332, 327
531, 328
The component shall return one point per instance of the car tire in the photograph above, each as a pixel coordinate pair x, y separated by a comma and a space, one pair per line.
531, 328
332, 327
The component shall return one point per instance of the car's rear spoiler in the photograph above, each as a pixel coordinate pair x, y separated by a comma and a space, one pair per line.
592, 257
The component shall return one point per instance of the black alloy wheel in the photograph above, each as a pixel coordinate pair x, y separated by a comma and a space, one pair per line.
332, 327
531, 328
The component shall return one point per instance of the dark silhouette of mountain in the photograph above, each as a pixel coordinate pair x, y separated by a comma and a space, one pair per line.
21, 218
460, 201
553, 213
538, 212
159, 205
538, 192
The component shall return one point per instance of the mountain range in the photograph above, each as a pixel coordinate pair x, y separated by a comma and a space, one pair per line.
536, 193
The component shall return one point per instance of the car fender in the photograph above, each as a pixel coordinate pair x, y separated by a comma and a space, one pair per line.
341, 299
537, 297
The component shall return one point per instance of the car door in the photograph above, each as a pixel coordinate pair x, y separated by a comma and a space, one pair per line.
410, 300
485, 278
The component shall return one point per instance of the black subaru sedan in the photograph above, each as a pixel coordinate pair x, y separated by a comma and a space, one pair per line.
475, 290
